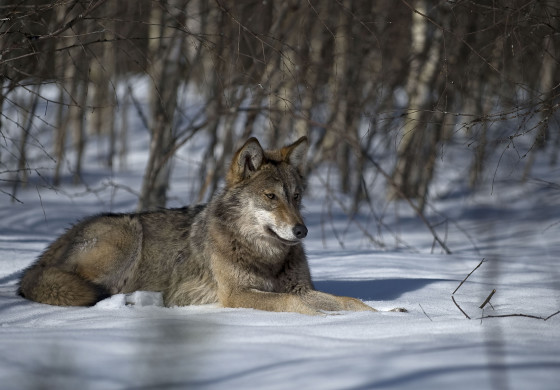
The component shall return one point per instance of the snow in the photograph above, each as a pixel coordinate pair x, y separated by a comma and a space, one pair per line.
133, 342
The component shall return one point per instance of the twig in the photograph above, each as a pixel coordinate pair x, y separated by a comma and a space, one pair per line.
459, 307
455, 35
347, 212
41, 201
409, 201
92, 7
552, 315
475, 268
14, 199
488, 299
521, 315
424, 311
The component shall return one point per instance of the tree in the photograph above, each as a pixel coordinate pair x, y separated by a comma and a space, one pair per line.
167, 35
364, 80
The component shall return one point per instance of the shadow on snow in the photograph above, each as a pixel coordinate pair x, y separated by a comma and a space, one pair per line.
373, 290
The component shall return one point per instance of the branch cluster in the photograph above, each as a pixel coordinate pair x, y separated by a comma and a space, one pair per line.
396, 80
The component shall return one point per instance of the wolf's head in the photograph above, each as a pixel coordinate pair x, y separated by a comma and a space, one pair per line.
264, 190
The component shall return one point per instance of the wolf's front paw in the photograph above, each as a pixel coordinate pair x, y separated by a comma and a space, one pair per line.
353, 304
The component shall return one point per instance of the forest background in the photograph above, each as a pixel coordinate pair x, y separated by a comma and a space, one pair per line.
382, 88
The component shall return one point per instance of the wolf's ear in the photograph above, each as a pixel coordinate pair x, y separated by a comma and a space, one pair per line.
246, 161
296, 154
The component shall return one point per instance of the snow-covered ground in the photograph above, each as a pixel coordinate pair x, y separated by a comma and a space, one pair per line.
120, 345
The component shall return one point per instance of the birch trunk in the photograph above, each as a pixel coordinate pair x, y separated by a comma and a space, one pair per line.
408, 173
165, 52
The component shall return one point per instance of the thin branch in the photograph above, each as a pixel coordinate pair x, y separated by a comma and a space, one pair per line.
15, 199
459, 307
347, 212
487, 300
552, 315
466, 277
453, 34
41, 201
409, 201
424, 311
521, 315
69, 24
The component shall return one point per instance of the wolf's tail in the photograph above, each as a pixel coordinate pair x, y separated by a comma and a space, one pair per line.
52, 285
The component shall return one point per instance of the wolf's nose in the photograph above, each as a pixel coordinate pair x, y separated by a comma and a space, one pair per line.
300, 231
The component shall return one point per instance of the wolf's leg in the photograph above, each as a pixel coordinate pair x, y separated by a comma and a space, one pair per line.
329, 302
58, 287
262, 300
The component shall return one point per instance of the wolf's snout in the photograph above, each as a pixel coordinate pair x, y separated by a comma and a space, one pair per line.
300, 231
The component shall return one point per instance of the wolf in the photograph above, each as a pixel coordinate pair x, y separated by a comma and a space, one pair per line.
243, 249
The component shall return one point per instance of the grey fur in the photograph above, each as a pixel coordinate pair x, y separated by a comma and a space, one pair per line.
242, 249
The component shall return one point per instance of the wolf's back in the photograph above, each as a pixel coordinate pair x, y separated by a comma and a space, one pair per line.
113, 253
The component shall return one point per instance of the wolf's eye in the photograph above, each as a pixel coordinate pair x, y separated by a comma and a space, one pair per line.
296, 196
271, 196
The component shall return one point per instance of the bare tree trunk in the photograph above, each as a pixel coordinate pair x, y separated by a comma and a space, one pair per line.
310, 83
330, 143
123, 130
28, 117
411, 153
102, 73
211, 18
68, 73
548, 69
477, 165
72, 100
484, 102
287, 99
165, 49
79, 129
